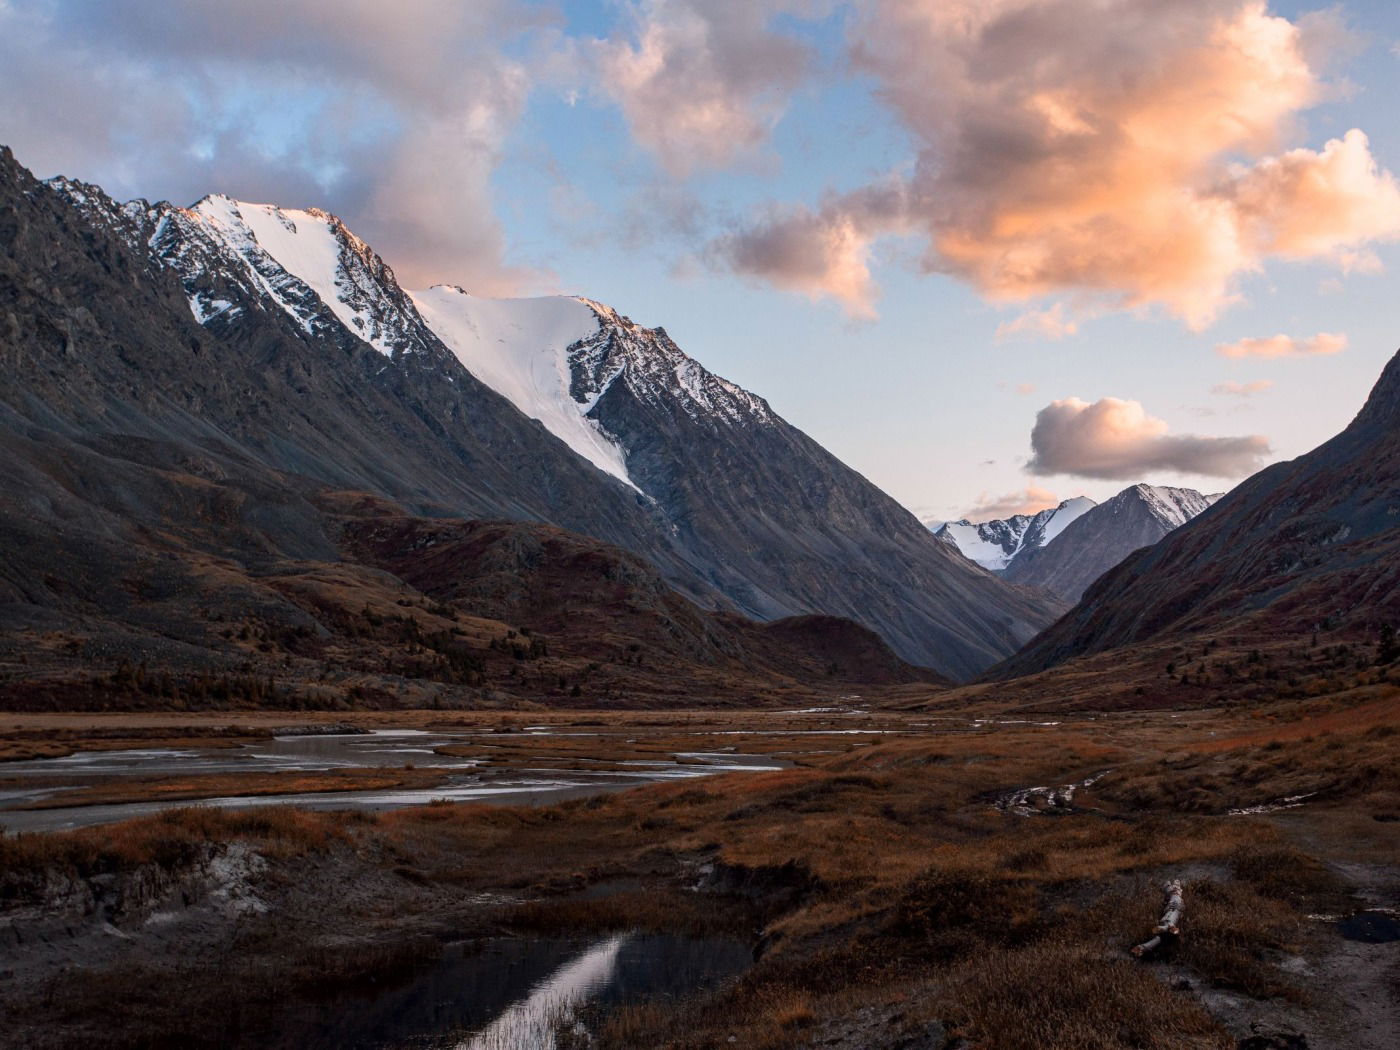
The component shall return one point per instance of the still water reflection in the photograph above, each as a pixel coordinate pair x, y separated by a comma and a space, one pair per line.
510, 994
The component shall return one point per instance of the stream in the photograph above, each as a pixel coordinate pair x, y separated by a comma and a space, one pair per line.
39, 780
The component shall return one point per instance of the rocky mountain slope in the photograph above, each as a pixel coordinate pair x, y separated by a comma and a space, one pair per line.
1305, 545
1102, 537
229, 360
994, 545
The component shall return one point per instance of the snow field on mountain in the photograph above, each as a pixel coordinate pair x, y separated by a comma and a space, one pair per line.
1065, 513
969, 539
519, 348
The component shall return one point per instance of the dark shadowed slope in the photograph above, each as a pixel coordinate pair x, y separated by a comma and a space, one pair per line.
1315, 541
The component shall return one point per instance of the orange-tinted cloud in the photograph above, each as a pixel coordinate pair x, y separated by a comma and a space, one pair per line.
1116, 439
1124, 151
1050, 323
1030, 500
1285, 346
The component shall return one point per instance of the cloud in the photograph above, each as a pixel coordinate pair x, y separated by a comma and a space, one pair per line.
1305, 205
1234, 389
1117, 440
701, 84
1123, 152
396, 122
822, 253
1285, 346
1030, 500
1050, 323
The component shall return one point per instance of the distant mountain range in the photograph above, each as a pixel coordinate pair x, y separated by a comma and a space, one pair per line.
994, 545
1064, 549
1302, 547
196, 379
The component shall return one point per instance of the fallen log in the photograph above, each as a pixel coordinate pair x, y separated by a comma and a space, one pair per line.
1169, 925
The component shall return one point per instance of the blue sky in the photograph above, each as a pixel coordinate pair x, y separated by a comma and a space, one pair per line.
687, 162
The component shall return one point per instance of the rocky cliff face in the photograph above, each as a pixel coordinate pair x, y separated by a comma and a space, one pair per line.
1310, 542
241, 345
1102, 537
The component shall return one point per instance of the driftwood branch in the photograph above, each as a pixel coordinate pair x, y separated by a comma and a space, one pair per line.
1169, 925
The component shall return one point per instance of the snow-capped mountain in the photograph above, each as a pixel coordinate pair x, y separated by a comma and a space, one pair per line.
996, 544
556, 359
1104, 535
227, 252
292, 346
552, 357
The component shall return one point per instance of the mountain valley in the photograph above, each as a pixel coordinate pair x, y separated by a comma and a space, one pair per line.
367, 655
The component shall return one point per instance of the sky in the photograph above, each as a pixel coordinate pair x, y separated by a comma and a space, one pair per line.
991, 253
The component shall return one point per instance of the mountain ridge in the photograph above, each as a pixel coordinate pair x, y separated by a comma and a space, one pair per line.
771, 525
996, 543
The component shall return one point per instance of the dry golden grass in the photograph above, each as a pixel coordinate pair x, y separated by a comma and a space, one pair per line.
169, 839
1214, 779
1065, 995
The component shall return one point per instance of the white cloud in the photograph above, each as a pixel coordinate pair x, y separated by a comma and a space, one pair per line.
700, 83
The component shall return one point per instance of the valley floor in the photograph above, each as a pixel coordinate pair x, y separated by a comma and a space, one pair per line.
906, 879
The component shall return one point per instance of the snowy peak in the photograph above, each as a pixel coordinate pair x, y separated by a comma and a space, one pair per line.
1102, 536
557, 358
994, 545
991, 544
655, 371
1173, 507
1045, 528
230, 253
289, 252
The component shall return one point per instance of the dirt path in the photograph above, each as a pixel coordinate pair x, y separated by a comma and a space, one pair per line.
1355, 984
